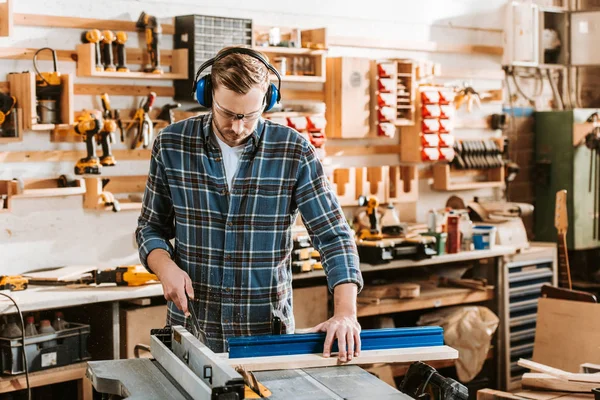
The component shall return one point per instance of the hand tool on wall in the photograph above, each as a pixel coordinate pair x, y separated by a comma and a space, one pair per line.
88, 126
108, 37
48, 88
153, 32
117, 115
143, 123
121, 54
107, 133
13, 283
423, 382
94, 36
7, 105
469, 95
128, 275
561, 223
592, 142
166, 113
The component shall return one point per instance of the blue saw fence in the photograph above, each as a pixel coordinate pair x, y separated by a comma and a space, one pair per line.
310, 343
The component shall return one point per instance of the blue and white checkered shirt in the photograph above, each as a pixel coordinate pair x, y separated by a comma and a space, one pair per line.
236, 245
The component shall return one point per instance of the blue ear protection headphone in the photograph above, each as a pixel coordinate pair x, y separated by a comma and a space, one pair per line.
203, 87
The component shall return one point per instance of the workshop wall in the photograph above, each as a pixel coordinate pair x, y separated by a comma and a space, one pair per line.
43, 233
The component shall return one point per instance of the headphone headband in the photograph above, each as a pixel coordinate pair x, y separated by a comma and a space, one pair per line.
240, 50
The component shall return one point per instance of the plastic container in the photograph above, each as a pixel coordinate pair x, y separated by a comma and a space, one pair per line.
69, 347
484, 237
30, 329
46, 328
59, 322
11, 329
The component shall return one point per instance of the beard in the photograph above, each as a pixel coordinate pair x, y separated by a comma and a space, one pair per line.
229, 135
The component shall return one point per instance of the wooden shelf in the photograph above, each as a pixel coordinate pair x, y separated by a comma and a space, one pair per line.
442, 178
47, 377
300, 78
289, 50
68, 155
82, 23
429, 298
86, 66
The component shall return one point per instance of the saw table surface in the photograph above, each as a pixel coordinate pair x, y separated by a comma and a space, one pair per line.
139, 379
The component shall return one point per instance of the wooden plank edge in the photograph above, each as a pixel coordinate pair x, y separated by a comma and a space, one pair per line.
41, 378
54, 21
405, 355
68, 155
431, 47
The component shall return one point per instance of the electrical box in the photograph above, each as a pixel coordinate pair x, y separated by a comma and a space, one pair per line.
521, 34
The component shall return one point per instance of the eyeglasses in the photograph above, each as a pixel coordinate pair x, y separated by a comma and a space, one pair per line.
230, 115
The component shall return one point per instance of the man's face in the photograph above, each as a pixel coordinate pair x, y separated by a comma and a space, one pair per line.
229, 106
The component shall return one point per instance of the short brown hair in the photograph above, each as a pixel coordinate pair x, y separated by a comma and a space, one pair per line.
239, 73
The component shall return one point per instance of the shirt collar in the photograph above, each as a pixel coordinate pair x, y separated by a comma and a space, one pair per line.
255, 137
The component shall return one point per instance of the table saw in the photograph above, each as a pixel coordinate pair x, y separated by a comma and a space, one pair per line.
184, 368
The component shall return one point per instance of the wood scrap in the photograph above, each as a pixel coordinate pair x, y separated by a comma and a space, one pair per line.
69, 273
370, 294
493, 394
559, 373
589, 368
549, 382
546, 395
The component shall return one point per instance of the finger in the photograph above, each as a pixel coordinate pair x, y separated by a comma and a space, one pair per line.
350, 341
316, 328
357, 343
189, 288
328, 342
341, 338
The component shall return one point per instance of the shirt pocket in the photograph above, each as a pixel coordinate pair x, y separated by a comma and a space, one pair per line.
271, 209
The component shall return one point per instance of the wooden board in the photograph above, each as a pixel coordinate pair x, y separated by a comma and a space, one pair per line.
67, 155
548, 382
559, 373
123, 90
41, 378
366, 357
347, 97
135, 325
546, 395
575, 325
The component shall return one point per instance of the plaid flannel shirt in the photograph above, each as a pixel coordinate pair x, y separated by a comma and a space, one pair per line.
236, 244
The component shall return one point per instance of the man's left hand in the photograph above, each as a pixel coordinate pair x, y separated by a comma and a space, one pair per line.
344, 328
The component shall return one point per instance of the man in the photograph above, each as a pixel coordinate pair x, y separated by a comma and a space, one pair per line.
227, 187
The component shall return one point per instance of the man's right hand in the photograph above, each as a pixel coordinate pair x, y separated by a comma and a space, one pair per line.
174, 280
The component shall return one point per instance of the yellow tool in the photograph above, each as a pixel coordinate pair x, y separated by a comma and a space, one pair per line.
375, 232
253, 389
128, 275
88, 126
7, 105
143, 122
121, 55
108, 37
106, 136
153, 32
13, 283
48, 88
94, 36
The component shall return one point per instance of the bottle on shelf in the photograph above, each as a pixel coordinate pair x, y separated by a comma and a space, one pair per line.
465, 227
30, 329
390, 222
46, 328
11, 329
59, 322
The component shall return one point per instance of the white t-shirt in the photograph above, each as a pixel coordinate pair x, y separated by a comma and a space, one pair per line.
231, 159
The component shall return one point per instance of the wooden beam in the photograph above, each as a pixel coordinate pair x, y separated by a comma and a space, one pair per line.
315, 95
68, 155
122, 90
548, 382
559, 373
406, 355
431, 47
52, 21
134, 56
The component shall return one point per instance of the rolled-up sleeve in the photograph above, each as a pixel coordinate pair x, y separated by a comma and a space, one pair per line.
325, 222
155, 223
